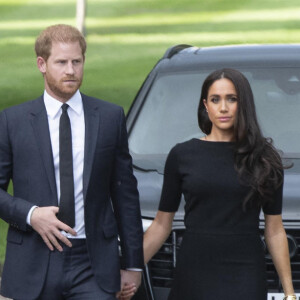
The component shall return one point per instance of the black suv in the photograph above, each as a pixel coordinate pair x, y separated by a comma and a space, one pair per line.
164, 113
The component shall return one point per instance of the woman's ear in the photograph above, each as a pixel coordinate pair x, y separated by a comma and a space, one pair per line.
205, 104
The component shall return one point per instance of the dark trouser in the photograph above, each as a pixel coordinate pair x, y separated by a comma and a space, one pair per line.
70, 276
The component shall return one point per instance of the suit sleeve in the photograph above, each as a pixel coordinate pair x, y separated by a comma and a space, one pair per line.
125, 200
13, 210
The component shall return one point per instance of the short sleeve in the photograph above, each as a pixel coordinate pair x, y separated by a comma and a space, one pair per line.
171, 191
274, 207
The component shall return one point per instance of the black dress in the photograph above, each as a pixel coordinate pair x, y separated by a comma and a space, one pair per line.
222, 255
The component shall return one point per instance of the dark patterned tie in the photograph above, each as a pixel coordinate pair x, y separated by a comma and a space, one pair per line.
67, 204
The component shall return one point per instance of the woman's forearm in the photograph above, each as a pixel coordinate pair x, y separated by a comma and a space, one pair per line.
278, 247
157, 233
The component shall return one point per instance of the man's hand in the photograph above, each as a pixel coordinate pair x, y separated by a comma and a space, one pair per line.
44, 221
130, 282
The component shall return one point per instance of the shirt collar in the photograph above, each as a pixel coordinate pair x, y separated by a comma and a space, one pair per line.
53, 105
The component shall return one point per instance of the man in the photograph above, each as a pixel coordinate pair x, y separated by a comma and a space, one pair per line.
74, 190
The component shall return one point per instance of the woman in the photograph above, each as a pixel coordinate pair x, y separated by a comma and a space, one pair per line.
226, 178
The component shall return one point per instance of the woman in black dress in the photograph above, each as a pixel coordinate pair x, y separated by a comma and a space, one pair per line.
226, 178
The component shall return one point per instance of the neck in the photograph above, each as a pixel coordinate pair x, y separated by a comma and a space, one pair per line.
63, 98
217, 136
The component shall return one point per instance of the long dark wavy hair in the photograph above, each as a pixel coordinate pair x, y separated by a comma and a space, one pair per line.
257, 162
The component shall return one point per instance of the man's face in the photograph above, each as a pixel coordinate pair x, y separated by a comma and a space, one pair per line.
63, 71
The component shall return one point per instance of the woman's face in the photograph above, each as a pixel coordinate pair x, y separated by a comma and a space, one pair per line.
221, 105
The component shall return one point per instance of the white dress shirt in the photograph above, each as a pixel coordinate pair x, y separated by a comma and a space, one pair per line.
76, 115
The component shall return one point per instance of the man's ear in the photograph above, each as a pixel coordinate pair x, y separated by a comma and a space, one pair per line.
41, 64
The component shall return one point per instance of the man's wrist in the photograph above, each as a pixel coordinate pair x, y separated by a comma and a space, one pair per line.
134, 269
28, 219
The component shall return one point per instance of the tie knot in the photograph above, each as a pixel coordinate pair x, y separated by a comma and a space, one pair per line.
64, 107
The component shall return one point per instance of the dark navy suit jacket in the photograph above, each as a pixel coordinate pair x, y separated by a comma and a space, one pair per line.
111, 205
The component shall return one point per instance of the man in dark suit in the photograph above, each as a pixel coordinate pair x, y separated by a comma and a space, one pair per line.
74, 189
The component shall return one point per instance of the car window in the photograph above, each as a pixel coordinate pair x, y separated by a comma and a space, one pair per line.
169, 114
277, 99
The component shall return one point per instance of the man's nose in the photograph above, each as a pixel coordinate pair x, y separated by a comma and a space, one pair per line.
70, 68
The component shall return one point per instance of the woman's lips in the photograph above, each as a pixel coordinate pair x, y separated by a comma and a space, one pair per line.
224, 119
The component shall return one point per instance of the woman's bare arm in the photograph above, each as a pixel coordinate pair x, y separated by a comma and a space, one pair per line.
157, 233
277, 244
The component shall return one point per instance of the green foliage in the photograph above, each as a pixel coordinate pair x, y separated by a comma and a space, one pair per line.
3, 230
127, 37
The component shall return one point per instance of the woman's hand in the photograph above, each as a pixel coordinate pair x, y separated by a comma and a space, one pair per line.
127, 292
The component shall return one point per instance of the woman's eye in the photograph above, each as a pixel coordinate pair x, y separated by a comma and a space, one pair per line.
232, 99
214, 100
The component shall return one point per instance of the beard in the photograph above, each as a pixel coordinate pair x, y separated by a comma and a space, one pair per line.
62, 89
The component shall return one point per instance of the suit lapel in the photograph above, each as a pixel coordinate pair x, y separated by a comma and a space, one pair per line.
92, 119
39, 121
